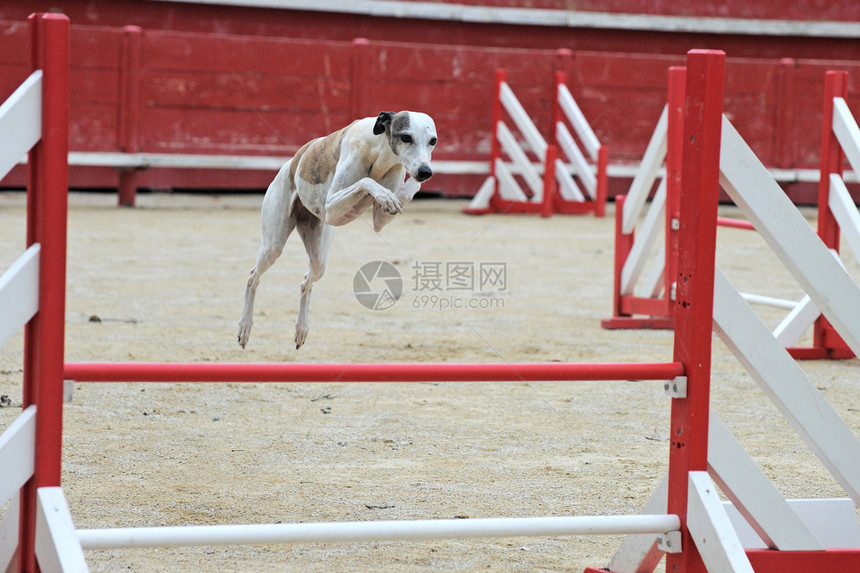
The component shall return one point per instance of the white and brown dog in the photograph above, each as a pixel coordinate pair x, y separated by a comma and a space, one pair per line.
331, 181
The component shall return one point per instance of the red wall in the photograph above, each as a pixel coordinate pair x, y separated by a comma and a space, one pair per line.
283, 23
834, 10
206, 92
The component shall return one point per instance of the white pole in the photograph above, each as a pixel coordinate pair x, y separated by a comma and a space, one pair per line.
373, 531
769, 300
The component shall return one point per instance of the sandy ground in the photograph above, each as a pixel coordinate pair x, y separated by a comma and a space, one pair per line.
164, 282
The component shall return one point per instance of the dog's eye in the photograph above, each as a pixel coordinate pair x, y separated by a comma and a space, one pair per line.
406, 138
432, 141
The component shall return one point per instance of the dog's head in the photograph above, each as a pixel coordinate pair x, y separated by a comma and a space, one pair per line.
412, 137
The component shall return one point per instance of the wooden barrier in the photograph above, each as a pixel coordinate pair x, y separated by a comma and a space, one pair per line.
649, 302
42, 112
807, 257
646, 301
529, 175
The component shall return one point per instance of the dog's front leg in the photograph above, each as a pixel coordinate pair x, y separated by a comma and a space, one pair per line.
404, 193
344, 205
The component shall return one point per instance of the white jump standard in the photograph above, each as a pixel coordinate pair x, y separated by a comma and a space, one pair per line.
331, 181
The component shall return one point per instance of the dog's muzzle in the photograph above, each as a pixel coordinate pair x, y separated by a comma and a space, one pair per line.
424, 173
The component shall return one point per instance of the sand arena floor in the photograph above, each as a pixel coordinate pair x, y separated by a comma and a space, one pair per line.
164, 282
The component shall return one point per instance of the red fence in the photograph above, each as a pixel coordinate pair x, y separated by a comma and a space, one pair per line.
163, 91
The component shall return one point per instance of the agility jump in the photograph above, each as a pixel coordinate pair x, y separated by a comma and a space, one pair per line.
787, 539
693, 529
648, 301
643, 294
566, 176
36, 119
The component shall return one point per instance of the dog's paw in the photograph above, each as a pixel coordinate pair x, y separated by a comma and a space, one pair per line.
301, 335
389, 203
244, 334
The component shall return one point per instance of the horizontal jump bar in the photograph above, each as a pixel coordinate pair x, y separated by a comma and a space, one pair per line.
203, 535
735, 223
363, 372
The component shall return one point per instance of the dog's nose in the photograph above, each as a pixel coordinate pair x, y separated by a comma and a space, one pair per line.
424, 173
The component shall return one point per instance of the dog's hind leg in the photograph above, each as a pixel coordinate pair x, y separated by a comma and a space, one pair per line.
278, 221
317, 237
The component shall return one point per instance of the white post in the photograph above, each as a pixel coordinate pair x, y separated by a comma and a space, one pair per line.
655, 153
20, 122
788, 234
57, 546
644, 241
847, 132
18, 451
753, 495
19, 294
845, 212
523, 121
710, 528
9, 533
787, 385
578, 121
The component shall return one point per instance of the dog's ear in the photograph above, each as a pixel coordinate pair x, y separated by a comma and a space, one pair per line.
382, 122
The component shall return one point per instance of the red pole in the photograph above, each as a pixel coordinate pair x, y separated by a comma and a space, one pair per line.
674, 150
47, 205
832, 161
602, 181
700, 186
363, 372
735, 223
835, 85
548, 201
495, 147
559, 78
623, 244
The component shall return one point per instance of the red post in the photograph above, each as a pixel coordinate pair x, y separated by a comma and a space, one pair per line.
674, 149
46, 207
564, 60
832, 161
129, 110
548, 199
602, 181
560, 79
832, 157
495, 147
623, 244
700, 175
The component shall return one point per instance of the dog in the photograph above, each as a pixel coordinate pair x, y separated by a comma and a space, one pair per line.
331, 181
